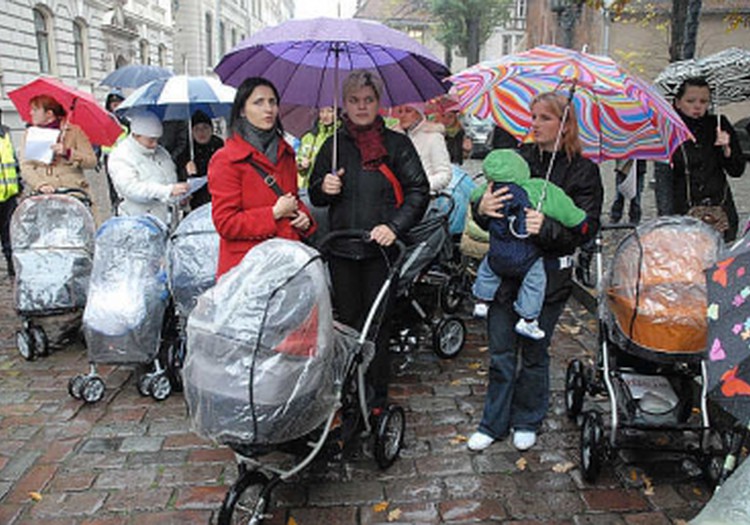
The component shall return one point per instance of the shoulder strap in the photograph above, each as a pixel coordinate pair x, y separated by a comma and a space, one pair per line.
397, 189
268, 179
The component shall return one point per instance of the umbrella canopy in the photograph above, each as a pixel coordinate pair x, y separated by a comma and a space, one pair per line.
728, 360
135, 75
619, 116
178, 97
727, 73
82, 108
304, 58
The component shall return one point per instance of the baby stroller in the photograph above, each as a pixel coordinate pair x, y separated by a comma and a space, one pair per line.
128, 295
652, 335
53, 248
192, 257
424, 284
269, 371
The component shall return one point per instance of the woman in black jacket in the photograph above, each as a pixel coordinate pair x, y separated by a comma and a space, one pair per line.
518, 397
700, 171
379, 186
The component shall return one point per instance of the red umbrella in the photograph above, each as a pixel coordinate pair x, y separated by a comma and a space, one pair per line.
83, 109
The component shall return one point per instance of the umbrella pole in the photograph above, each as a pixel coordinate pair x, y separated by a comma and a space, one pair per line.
335, 110
190, 139
558, 140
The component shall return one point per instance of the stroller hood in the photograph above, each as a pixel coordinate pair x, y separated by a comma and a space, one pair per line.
261, 362
655, 290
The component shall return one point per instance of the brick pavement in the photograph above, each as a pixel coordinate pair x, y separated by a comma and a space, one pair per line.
132, 461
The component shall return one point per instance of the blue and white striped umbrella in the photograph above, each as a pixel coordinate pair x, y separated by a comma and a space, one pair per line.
178, 97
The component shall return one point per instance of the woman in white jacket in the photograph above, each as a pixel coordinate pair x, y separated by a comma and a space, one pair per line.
429, 140
142, 171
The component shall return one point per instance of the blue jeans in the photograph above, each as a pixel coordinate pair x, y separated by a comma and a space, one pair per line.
528, 303
517, 397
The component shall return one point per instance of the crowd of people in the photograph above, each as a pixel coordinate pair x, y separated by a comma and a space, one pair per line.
382, 184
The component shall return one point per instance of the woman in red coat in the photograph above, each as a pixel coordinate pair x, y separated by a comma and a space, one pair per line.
246, 209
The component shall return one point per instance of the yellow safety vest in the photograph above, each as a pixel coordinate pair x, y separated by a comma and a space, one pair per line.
8, 173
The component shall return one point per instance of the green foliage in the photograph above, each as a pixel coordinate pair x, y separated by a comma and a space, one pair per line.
467, 24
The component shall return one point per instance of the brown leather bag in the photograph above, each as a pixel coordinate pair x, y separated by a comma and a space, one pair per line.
714, 216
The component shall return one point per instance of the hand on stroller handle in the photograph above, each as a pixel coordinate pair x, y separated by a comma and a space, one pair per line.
362, 236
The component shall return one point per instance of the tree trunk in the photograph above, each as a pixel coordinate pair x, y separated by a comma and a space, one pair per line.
472, 30
691, 28
448, 56
679, 17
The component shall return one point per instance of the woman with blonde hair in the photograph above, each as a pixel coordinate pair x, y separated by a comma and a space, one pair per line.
518, 396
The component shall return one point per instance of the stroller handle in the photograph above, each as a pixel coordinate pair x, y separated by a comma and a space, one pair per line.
619, 226
76, 193
362, 236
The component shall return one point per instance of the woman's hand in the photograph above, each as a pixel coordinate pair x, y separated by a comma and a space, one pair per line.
59, 149
332, 184
286, 206
181, 188
191, 169
493, 202
722, 140
383, 235
534, 221
46, 188
301, 221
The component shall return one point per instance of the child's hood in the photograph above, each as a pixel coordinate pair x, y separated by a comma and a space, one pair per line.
505, 165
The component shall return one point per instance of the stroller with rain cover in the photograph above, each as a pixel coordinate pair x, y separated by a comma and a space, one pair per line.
53, 248
269, 372
192, 258
127, 298
652, 340
425, 293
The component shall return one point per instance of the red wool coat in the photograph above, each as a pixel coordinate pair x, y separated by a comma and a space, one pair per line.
242, 203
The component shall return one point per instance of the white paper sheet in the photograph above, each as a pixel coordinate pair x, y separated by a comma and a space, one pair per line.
39, 143
196, 183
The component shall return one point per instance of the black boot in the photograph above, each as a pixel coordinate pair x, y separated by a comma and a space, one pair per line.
11, 268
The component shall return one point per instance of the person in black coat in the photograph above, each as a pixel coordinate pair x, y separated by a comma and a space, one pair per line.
517, 396
379, 186
700, 168
205, 144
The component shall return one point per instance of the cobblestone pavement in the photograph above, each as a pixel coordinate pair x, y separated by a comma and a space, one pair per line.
131, 460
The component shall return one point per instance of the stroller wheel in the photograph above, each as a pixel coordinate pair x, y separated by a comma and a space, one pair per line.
144, 384
390, 435
41, 343
160, 387
247, 500
448, 338
25, 345
592, 445
575, 388
75, 386
452, 294
93, 389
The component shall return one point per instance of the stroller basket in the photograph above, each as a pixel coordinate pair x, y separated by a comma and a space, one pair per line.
655, 291
53, 245
193, 255
128, 295
264, 363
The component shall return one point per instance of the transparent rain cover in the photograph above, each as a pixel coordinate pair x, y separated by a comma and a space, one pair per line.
264, 362
53, 248
655, 290
193, 255
128, 291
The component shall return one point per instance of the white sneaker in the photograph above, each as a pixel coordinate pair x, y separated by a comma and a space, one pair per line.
480, 310
529, 329
479, 441
524, 439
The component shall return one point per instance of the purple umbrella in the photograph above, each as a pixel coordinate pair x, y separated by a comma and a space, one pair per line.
303, 58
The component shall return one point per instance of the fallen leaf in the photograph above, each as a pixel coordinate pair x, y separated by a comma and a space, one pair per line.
482, 373
483, 348
475, 366
380, 507
648, 486
394, 515
459, 439
35, 496
521, 464
564, 467
697, 491
574, 330
291, 521
680, 522
455, 382
633, 475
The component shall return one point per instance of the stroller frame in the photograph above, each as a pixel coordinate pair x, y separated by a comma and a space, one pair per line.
387, 426
606, 377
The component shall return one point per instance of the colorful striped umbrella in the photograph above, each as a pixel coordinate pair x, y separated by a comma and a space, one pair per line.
619, 115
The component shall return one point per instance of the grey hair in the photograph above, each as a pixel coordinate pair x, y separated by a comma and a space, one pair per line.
360, 78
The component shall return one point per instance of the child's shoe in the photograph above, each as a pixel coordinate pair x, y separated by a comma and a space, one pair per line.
529, 329
480, 310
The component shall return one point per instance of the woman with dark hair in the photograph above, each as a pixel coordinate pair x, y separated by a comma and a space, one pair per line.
518, 393
700, 168
253, 178
379, 186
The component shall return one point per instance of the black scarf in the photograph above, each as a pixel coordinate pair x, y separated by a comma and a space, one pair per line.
265, 141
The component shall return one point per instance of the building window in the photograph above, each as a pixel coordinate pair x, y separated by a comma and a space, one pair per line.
417, 34
521, 9
80, 48
222, 38
145, 59
162, 55
41, 29
507, 44
234, 37
209, 39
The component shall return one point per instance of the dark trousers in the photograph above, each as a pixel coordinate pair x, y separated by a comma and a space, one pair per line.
356, 283
6, 212
663, 189
634, 213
